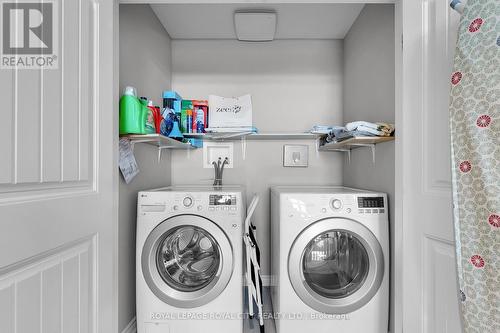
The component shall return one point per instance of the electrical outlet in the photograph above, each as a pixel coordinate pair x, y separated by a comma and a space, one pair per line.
213, 150
295, 155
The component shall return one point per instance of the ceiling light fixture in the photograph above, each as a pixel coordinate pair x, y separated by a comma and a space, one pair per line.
255, 26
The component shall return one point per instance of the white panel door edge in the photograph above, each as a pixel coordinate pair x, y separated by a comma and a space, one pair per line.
396, 301
59, 183
426, 254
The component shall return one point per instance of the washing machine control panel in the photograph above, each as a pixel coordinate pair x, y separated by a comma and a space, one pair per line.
222, 200
187, 202
336, 204
222, 203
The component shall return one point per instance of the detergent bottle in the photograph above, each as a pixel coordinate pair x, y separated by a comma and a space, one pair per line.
133, 114
151, 118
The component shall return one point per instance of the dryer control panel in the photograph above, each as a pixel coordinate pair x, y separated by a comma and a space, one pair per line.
370, 202
371, 205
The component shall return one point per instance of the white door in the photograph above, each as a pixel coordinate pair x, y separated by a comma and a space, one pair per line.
58, 185
429, 288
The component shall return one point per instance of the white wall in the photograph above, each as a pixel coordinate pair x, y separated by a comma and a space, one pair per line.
145, 64
369, 94
294, 85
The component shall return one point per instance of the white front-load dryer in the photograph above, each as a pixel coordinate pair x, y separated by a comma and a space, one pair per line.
189, 260
330, 260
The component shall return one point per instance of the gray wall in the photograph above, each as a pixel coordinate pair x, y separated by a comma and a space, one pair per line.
294, 85
369, 95
145, 64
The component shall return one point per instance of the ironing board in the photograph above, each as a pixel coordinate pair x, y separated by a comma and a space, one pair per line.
253, 278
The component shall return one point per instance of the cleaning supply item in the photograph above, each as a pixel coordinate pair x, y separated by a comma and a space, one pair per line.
197, 143
186, 104
172, 100
189, 121
186, 123
183, 120
199, 123
200, 116
150, 118
167, 122
130, 91
158, 118
132, 113
175, 133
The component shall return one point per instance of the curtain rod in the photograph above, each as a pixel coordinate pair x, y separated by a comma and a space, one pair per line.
457, 5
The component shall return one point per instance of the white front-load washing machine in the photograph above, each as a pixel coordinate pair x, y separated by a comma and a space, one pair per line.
189, 260
330, 260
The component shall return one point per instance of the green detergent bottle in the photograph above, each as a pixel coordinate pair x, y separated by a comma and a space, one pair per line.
133, 114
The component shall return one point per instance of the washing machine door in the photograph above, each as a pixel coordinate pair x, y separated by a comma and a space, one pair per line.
336, 265
187, 261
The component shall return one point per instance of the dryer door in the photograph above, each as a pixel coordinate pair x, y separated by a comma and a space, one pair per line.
336, 265
187, 261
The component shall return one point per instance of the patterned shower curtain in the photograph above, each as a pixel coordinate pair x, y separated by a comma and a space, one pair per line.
475, 137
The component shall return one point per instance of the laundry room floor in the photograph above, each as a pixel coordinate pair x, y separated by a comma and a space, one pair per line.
252, 326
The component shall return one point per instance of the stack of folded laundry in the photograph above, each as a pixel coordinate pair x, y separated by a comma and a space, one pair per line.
370, 129
357, 129
323, 129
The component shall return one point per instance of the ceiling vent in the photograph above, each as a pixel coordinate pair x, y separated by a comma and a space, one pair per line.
255, 26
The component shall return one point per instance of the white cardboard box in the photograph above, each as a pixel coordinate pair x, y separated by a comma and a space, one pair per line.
229, 112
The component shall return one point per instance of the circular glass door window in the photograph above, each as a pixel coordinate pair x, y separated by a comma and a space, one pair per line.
335, 264
188, 258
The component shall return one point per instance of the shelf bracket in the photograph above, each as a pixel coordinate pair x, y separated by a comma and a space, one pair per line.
244, 147
133, 142
160, 151
370, 145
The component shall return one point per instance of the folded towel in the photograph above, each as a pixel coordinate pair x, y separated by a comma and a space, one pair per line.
371, 130
341, 134
353, 134
323, 129
354, 125
380, 129
337, 133
388, 129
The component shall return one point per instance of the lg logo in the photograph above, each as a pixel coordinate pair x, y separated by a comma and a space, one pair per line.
29, 38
